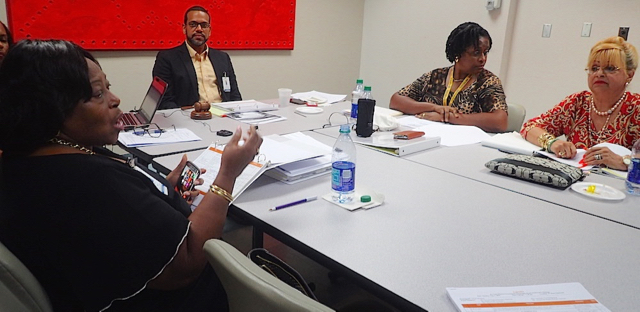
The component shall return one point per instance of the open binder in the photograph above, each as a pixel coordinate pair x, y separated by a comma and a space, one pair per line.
211, 160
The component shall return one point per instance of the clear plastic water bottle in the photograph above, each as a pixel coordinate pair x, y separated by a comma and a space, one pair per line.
366, 94
355, 96
633, 175
343, 167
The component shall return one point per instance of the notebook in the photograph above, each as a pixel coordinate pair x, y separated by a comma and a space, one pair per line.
148, 107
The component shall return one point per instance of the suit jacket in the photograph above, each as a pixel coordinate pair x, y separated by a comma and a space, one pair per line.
176, 68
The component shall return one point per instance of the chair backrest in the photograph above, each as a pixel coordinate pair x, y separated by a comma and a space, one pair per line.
516, 117
19, 289
250, 288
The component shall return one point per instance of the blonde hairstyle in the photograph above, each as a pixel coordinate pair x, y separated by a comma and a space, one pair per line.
614, 51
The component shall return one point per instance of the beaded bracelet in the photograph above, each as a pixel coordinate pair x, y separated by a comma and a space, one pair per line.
221, 192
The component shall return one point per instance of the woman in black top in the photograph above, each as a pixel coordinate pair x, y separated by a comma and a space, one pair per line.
96, 232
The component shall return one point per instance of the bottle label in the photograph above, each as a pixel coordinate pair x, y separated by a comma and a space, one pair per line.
633, 175
354, 110
343, 174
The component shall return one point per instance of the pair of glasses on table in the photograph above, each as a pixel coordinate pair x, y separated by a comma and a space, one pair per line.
153, 130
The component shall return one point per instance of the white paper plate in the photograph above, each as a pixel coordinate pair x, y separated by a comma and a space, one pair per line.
602, 191
309, 110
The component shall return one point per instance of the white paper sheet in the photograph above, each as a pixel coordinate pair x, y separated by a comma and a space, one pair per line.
454, 135
511, 142
331, 98
169, 136
283, 150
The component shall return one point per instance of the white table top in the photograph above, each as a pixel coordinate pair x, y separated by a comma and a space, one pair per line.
468, 161
438, 229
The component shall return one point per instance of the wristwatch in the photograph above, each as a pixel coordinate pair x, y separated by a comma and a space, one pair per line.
626, 160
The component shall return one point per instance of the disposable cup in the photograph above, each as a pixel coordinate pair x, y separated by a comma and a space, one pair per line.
284, 94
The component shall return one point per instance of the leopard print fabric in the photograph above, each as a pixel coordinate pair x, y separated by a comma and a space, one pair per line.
484, 95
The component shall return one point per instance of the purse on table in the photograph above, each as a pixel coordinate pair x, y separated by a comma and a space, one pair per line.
539, 170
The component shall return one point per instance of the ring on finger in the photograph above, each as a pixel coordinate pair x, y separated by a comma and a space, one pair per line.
562, 154
598, 157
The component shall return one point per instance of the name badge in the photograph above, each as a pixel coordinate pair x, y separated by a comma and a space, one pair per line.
226, 85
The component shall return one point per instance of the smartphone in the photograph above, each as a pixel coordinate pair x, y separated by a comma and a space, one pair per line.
188, 178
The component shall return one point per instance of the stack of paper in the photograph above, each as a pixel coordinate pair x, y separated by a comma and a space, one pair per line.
563, 297
299, 157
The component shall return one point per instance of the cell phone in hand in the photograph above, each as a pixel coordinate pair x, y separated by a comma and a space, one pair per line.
188, 178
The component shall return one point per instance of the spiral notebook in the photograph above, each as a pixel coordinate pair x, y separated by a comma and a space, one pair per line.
211, 159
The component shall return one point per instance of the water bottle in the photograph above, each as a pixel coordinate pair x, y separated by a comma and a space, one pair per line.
343, 167
366, 93
633, 175
355, 95
366, 109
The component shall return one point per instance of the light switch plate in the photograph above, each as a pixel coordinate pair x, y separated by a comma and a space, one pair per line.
546, 31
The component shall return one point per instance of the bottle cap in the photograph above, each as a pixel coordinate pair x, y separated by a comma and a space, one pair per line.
365, 198
367, 88
359, 81
345, 128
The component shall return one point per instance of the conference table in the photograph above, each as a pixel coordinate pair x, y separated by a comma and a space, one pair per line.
446, 224
468, 161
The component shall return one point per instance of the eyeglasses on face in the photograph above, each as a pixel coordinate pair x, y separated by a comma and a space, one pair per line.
153, 130
194, 25
607, 69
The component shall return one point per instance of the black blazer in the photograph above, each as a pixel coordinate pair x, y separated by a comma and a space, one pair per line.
176, 68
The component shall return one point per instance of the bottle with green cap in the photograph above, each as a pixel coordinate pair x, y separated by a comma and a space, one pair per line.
356, 94
343, 167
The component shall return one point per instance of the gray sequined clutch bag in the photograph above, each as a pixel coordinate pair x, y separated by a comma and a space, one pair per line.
536, 169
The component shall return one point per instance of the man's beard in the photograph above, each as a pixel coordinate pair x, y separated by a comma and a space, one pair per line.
196, 43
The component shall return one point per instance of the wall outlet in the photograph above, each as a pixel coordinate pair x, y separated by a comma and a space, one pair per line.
623, 32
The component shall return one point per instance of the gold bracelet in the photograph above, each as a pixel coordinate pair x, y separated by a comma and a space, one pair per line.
544, 138
221, 192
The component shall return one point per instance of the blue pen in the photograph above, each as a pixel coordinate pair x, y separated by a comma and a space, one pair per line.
297, 202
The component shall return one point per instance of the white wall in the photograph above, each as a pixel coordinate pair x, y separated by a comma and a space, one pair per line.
402, 39
389, 43
405, 38
543, 71
326, 57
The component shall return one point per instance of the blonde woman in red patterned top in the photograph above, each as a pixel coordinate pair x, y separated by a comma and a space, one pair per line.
606, 114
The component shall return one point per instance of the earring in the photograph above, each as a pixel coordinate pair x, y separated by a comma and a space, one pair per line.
456, 59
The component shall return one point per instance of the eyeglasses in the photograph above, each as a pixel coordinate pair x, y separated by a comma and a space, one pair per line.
153, 130
607, 69
195, 25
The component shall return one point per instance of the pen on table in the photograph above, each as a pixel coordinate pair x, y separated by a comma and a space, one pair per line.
297, 202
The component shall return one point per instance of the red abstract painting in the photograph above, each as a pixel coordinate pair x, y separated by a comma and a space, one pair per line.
153, 25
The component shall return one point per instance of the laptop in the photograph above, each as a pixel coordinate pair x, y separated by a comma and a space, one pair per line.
148, 108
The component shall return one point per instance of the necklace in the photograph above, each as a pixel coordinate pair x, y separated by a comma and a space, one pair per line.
458, 80
455, 93
610, 111
76, 146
